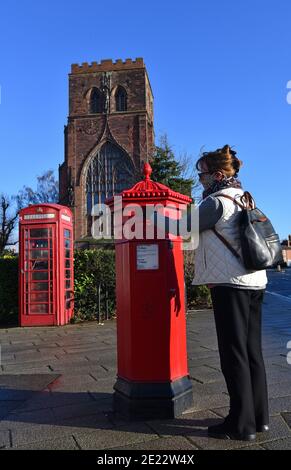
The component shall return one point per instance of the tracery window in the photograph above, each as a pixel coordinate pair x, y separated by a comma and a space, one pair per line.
110, 171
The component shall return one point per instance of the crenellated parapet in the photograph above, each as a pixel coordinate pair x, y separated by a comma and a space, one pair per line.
107, 65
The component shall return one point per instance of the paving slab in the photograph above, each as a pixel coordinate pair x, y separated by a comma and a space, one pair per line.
108, 439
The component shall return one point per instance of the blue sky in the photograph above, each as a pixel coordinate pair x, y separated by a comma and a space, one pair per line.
219, 72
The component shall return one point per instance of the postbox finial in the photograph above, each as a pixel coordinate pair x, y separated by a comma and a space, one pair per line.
147, 171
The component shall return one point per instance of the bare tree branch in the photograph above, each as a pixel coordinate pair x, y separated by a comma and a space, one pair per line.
8, 220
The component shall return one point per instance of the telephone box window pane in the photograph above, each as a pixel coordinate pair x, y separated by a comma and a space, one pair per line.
38, 308
67, 284
67, 253
39, 265
39, 254
38, 232
68, 294
67, 243
68, 274
39, 297
38, 243
67, 233
67, 263
41, 276
39, 286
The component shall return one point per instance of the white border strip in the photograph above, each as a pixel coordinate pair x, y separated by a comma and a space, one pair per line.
288, 299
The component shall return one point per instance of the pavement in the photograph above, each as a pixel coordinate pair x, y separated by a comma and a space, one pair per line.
56, 386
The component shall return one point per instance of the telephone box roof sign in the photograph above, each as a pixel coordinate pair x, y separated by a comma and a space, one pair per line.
148, 190
39, 212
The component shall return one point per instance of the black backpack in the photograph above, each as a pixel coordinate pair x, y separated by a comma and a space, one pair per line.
260, 244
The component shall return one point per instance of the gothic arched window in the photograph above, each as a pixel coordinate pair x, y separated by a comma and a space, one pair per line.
109, 172
121, 99
96, 101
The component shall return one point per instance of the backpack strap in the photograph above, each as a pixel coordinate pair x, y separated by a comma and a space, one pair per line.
226, 243
247, 202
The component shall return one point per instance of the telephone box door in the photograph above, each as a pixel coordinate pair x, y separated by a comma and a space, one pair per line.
69, 274
38, 270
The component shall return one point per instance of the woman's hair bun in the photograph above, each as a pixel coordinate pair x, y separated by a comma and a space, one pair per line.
231, 154
223, 158
227, 150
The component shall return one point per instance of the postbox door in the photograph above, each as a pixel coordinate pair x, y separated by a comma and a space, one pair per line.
38, 272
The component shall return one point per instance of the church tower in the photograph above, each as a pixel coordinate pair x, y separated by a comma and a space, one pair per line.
108, 136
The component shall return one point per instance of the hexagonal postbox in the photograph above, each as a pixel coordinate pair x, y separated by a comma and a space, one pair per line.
152, 377
46, 276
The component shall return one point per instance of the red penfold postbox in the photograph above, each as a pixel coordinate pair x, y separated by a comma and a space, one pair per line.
152, 378
46, 265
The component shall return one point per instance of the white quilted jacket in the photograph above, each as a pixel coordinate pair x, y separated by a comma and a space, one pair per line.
214, 262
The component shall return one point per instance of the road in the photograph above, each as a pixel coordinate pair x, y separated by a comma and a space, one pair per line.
279, 283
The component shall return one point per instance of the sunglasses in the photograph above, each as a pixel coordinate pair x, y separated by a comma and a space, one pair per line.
204, 173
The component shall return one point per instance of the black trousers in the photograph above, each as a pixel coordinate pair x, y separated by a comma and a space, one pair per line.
238, 318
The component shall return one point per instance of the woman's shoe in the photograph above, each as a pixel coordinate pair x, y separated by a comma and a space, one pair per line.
263, 428
222, 431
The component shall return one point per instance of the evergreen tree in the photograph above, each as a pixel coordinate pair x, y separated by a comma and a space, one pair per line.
167, 170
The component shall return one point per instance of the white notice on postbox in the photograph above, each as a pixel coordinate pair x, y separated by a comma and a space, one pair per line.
147, 257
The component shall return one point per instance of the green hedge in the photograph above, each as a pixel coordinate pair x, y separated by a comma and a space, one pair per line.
197, 296
8, 291
94, 284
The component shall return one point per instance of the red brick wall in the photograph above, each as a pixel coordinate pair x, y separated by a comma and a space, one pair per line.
287, 255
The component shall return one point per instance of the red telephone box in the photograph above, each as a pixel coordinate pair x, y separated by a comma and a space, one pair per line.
152, 378
46, 277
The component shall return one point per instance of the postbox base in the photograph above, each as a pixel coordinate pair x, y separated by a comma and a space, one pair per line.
138, 401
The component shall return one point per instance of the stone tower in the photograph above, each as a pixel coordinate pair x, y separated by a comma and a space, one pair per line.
108, 136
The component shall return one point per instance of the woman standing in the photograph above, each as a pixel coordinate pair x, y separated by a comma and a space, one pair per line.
237, 296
